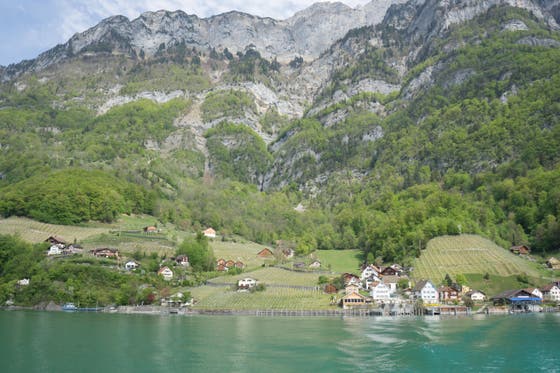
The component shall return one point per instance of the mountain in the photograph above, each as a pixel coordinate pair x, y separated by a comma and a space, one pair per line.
308, 33
390, 123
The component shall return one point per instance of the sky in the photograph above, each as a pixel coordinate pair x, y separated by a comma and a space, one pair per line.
30, 27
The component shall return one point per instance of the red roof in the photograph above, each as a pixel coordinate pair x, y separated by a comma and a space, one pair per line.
265, 253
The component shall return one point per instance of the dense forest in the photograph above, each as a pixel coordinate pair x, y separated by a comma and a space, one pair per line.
474, 151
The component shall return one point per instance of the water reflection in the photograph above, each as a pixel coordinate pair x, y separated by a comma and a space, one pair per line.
57, 342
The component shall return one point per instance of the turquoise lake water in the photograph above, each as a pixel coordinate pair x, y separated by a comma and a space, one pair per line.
82, 342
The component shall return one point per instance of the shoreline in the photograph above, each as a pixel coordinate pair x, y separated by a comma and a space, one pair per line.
163, 311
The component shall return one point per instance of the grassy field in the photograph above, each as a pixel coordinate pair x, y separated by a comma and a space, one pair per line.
209, 298
496, 284
277, 276
129, 243
34, 231
468, 254
340, 260
245, 252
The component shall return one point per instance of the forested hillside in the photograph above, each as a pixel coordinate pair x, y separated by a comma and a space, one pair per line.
413, 133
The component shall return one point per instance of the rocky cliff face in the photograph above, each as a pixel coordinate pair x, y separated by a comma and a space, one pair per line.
373, 50
308, 33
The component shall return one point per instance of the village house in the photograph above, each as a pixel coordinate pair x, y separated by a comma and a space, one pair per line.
516, 299
150, 229
246, 283
476, 296
354, 300
369, 281
209, 232
551, 292
220, 262
535, 292
370, 271
393, 270
55, 250
105, 253
349, 289
166, 273
448, 294
230, 264
553, 263
350, 279
380, 291
265, 253
182, 260
392, 282
426, 291
56, 240
221, 268
239, 265
288, 253
315, 264
520, 250
330, 289
131, 265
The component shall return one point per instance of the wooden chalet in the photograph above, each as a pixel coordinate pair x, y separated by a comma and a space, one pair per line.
390, 271
150, 229
105, 253
350, 279
56, 240
448, 294
517, 299
221, 262
355, 300
209, 232
239, 265
265, 253
520, 250
330, 289
230, 264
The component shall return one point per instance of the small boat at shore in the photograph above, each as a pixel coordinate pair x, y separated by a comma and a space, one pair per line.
69, 307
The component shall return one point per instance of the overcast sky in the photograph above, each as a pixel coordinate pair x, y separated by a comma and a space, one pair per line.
29, 27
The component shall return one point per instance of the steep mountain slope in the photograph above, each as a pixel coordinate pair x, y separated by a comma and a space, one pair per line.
432, 117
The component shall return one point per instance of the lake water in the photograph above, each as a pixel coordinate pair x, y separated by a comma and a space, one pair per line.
82, 342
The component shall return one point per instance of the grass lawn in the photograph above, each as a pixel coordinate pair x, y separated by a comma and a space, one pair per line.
469, 254
498, 284
245, 252
340, 261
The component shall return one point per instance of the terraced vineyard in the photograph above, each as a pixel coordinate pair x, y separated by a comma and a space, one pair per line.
273, 276
34, 231
468, 254
210, 298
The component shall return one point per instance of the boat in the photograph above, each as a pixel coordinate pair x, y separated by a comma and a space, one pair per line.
70, 307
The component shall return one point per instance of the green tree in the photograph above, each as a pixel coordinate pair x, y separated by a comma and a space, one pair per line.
199, 252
